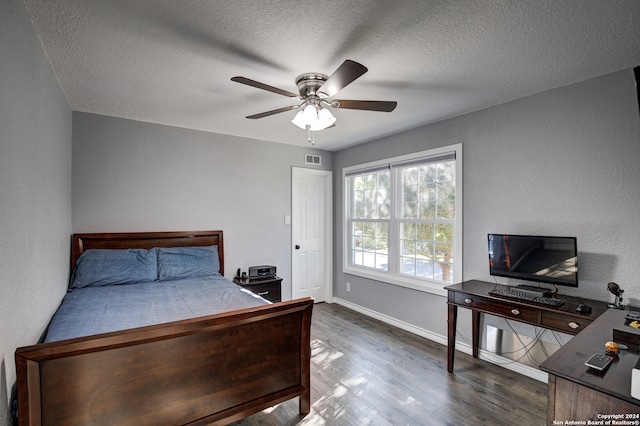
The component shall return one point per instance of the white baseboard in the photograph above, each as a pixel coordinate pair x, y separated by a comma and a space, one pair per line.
525, 370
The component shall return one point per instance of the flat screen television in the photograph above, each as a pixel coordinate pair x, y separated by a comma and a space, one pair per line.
552, 260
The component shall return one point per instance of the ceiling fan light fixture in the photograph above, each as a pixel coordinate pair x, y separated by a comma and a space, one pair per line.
310, 114
314, 118
325, 115
325, 119
298, 120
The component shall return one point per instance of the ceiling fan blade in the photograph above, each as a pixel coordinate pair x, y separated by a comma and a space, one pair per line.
266, 87
274, 111
341, 78
383, 106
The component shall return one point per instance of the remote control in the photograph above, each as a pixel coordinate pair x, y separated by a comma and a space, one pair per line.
632, 315
598, 361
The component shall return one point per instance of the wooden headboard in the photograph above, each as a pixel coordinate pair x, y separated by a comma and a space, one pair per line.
146, 240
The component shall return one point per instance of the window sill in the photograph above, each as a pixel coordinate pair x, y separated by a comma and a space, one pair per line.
414, 284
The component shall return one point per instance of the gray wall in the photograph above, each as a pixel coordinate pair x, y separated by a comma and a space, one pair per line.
563, 162
134, 176
35, 190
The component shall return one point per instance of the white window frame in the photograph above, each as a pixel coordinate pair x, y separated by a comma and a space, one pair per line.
393, 275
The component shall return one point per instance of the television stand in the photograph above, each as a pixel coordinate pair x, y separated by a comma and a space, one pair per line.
533, 290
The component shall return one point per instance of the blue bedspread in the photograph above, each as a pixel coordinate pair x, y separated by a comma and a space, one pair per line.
93, 310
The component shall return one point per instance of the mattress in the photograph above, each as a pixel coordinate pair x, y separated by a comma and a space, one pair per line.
94, 310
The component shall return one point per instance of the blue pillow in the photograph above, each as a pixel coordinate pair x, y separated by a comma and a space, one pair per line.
99, 267
187, 262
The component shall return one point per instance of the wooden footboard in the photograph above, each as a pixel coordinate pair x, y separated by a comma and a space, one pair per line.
207, 370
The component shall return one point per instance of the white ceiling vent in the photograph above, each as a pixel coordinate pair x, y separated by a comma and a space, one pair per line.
312, 159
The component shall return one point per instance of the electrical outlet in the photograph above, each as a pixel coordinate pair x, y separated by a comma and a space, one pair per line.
348, 287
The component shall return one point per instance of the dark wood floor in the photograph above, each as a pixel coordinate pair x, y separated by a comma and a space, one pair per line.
365, 372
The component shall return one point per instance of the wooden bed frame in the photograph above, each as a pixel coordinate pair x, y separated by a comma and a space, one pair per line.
208, 370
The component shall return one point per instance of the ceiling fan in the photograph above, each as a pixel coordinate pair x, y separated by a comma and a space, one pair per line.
315, 89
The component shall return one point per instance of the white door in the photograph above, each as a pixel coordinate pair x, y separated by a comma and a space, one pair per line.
311, 234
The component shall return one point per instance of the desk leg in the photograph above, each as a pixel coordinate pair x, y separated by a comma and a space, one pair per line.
475, 330
451, 335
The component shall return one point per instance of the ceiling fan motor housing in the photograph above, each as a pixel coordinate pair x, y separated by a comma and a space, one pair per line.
309, 83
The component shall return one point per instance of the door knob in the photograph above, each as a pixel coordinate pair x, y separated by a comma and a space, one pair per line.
297, 247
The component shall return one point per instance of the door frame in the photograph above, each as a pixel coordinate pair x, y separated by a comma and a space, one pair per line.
328, 226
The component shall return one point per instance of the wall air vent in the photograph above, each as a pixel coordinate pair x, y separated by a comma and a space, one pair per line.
312, 159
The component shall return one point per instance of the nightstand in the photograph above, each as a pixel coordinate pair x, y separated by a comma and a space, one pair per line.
269, 288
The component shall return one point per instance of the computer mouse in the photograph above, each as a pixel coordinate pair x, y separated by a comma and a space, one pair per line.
583, 308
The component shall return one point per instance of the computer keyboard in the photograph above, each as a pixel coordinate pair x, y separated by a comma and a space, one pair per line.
525, 297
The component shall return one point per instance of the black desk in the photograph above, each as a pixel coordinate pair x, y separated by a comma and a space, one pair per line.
475, 295
576, 392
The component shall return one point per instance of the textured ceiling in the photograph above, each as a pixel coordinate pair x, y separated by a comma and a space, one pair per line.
170, 62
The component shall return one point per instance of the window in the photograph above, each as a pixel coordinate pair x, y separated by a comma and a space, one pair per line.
403, 219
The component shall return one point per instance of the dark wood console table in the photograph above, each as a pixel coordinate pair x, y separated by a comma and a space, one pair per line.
475, 295
576, 392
